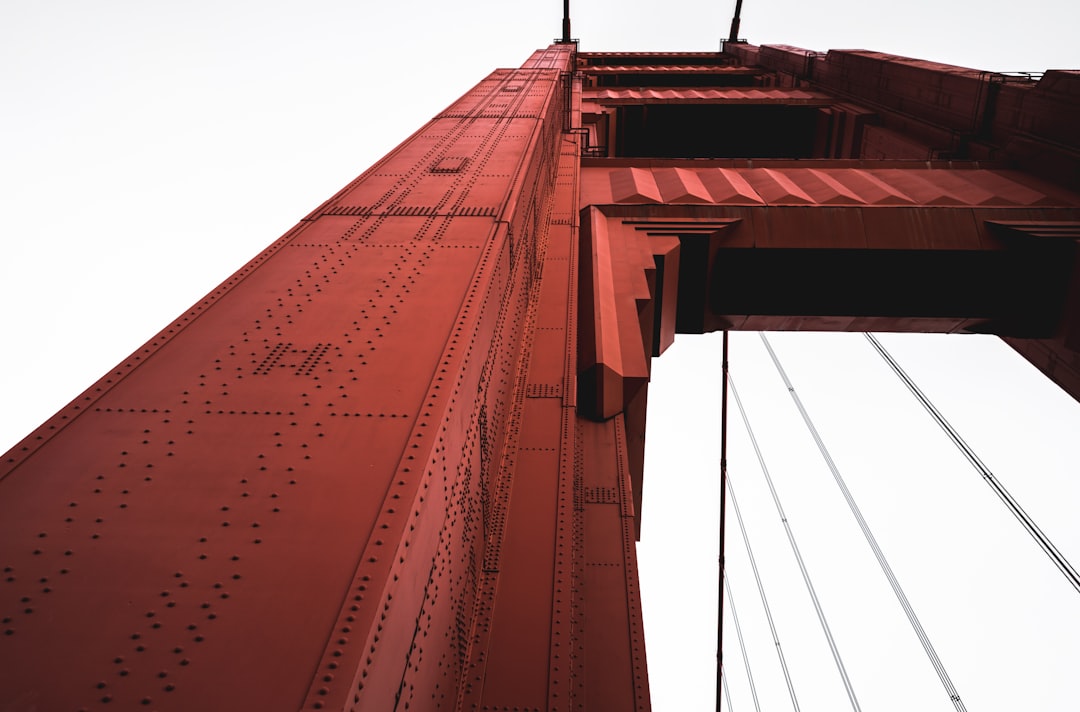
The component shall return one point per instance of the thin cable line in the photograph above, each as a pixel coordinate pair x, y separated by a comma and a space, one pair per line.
761, 592
928, 647
798, 555
727, 693
723, 519
1010, 502
742, 643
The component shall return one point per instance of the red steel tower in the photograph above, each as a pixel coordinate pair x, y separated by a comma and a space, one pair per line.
395, 461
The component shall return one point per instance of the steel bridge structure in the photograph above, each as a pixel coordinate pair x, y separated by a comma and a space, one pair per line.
396, 460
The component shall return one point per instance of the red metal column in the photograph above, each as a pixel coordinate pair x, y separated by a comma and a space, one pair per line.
559, 619
332, 483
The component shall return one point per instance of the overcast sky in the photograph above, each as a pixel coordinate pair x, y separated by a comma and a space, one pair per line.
147, 150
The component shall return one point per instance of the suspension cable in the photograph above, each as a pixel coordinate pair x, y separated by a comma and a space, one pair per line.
798, 555
723, 516
742, 643
869, 536
1010, 502
761, 592
727, 693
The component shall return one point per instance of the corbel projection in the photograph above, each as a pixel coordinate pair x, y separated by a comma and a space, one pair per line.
642, 279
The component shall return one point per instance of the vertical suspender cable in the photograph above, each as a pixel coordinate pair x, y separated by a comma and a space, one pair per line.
742, 643
1010, 502
723, 512
798, 555
727, 693
761, 589
878, 554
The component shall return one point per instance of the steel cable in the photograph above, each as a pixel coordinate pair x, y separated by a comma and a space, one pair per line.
928, 647
761, 590
1010, 502
798, 555
742, 643
723, 519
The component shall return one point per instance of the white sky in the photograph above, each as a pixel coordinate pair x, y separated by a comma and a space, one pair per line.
147, 150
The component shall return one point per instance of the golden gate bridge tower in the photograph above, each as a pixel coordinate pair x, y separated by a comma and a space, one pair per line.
395, 461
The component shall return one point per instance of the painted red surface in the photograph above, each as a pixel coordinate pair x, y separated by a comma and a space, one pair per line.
395, 460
